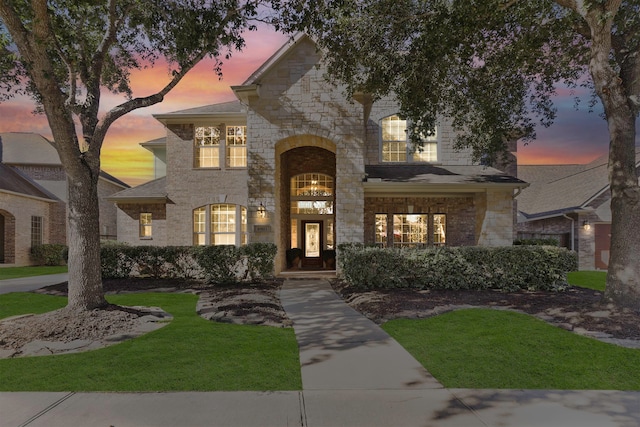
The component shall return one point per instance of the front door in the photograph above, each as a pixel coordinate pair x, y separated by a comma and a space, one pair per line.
312, 244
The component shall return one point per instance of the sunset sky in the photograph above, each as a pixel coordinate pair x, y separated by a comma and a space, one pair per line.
576, 137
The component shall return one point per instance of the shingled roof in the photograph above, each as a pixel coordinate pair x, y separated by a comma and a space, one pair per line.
433, 174
11, 180
150, 192
562, 188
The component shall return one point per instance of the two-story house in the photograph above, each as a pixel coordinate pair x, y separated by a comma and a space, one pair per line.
294, 162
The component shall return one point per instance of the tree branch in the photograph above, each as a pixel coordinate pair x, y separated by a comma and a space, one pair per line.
136, 103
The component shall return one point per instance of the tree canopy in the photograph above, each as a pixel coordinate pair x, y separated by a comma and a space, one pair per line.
491, 67
66, 53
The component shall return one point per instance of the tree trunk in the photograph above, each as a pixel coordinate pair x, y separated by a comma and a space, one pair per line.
85, 280
623, 279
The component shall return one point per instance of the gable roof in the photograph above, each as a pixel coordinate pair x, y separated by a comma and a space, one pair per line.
231, 108
27, 148
150, 192
275, 58
12, 181
556, 189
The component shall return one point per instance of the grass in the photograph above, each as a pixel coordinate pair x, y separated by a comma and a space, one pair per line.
189, 354
17, 272
484, 348
588, 279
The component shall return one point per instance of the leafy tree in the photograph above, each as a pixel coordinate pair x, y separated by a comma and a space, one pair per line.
66, 52
491, 66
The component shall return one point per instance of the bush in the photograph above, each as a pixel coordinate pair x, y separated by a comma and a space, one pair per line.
260, 260
506, 268
49, 254
537, 242
116, 261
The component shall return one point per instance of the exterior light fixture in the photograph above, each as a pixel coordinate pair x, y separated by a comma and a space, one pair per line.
262, 211
585, 225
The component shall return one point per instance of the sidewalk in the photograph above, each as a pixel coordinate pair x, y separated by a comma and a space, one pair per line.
353, 374
26, 284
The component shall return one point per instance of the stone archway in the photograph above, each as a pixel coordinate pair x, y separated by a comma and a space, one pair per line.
7, 237
297, 156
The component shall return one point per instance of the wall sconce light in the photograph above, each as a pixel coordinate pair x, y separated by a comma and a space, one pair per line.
585, 225
262, 211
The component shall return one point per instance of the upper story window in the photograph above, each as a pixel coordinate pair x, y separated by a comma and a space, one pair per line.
207, 147
236, 146
220, 224
396, 146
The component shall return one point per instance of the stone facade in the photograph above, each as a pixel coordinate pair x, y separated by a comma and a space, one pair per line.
298, 123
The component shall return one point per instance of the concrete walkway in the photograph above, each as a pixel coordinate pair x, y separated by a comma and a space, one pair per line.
26, 284
353, 375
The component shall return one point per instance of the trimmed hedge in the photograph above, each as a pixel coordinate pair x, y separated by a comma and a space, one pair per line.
215, 264
49, 254
509, 268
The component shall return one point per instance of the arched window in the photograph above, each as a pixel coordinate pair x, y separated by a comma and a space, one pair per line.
395, 146
220, 224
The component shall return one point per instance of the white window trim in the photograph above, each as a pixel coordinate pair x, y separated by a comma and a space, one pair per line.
239, 234
410, 150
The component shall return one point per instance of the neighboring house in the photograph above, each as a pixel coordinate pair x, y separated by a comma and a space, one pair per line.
295, 163
570, 203
33, 195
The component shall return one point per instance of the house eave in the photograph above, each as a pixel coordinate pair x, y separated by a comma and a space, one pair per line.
172, 118
28, 196
139, 200
372, 188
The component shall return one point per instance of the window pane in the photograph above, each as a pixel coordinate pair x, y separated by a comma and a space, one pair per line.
145, 224
199, 226
236, 146
410, 230
394, 129
223, 239
394, 139
312, 184
312, 207
439, 229
429, 152
207, 147
36, 231
394, 151
381, 229
223, 218
294, 233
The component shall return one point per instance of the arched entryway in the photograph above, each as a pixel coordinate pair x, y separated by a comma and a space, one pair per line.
307, 200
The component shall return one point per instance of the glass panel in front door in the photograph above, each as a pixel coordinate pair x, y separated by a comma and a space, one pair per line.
312, 241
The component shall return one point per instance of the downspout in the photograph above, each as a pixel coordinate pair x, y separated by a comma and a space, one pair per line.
572, 228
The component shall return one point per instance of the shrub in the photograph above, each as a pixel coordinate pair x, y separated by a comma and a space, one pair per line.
220, 264
537, 242
116, 261
49, 254
506, 268
260, 260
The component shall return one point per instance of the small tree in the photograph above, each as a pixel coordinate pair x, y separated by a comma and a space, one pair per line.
491, 66
65, 53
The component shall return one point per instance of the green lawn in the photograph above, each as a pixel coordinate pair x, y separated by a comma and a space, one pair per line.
484, 348
190, 353
588, 279
16, 272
